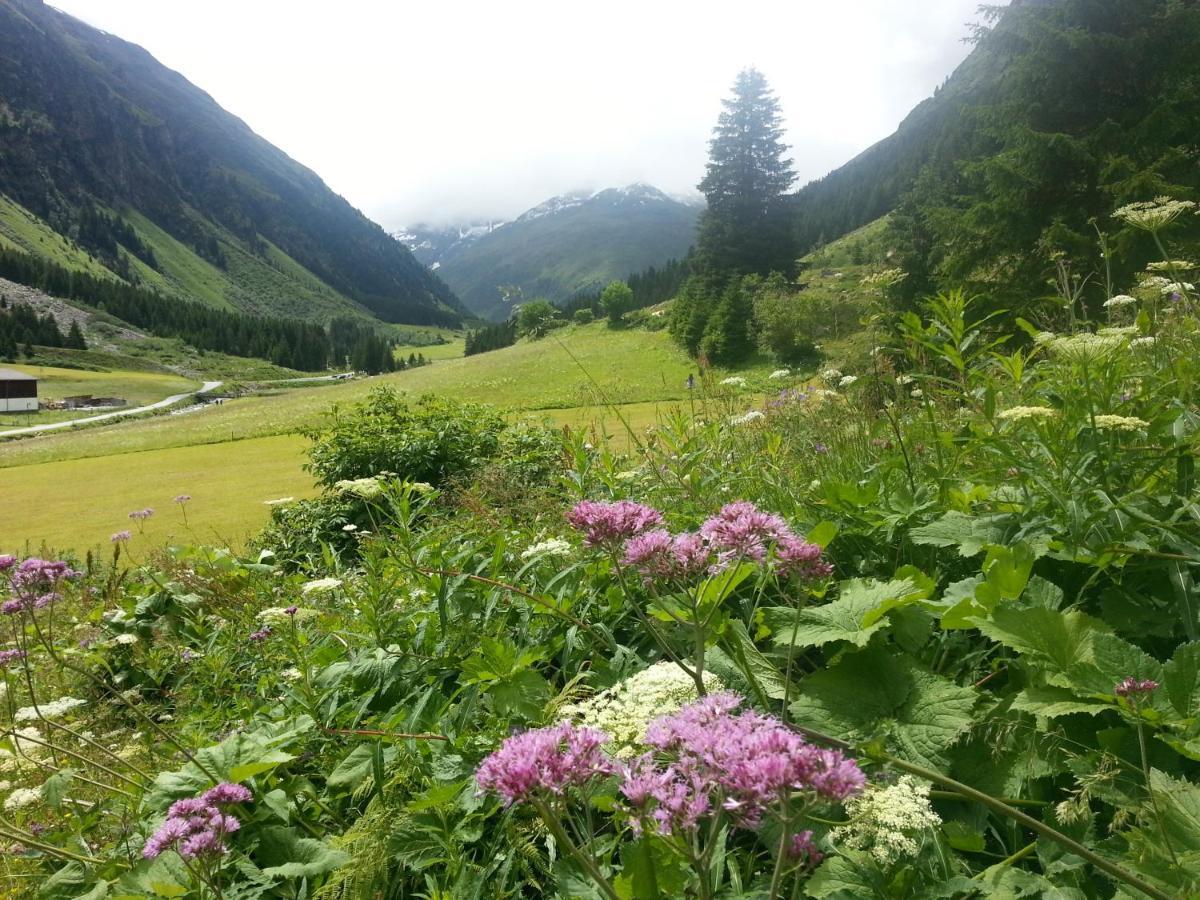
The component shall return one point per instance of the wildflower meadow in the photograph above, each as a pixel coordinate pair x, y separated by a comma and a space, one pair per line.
926, 625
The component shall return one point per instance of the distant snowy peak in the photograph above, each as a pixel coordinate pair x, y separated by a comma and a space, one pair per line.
636, 194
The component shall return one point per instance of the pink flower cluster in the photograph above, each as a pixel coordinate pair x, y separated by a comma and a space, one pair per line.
1133, 687
707, 759
609, 524
33, 584
740, 531
141, 515
7, 656
544, 760
198, 826
745, 764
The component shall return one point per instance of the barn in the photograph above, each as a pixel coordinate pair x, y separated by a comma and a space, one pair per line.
18, 392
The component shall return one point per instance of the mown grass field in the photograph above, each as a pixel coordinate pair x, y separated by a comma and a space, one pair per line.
74, 490
138, 388
80, 503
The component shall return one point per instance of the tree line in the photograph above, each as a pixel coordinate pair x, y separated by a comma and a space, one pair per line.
296, 344
22, 327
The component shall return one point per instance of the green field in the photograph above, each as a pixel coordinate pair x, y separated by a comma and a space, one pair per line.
237, 455
137, 388
80, 503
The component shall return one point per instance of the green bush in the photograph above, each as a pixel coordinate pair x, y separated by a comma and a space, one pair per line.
431, 440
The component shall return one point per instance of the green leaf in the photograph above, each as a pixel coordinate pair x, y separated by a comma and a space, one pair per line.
355, 767
846, 876
964, 837
823, 534
854, 616
55, 788
1181, 680
1179, 803
238, 757
523, 694
650, 871
1007, 569
716, 588
749, 662
1056, 640
970, 534
1051, 702
277, 802
163, 876
65, 883
283, 853
874, 695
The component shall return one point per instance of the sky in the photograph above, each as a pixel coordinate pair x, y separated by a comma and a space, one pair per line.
445, 112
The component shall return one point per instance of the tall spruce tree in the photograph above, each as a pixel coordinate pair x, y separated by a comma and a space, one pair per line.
745, 229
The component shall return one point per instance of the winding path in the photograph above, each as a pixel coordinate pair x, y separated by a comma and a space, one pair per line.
118, 414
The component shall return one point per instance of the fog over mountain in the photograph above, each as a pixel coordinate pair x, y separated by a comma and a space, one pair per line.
415, 117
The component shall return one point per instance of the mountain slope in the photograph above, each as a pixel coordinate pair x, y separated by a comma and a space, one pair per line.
146, 172
1064, 111
570, 243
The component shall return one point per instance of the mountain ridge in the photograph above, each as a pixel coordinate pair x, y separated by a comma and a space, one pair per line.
569, 243
92, 128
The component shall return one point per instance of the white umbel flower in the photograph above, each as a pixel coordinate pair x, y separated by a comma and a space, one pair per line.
320, 586
1119, 301
846, 380
780, 373
22, 797
1020, 413
1120, 423
1153, 215
734, 381
552, 547
747, 417
626, 709
53, 709
887, 820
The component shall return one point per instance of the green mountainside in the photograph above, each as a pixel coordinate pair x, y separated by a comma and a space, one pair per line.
567, 245
110, 160
1064, 111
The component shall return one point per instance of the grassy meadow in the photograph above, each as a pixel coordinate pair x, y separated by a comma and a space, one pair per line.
232, 457
137, 388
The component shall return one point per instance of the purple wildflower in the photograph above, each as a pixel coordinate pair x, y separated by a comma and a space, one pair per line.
818, 447
141, 515
121, 537
197, 826
741, 531
608, 524
292, 610
798, 557
261, 635
746, 761
1133, 687
7, 561
544, 760
183, 498
226, 792
7, 656
803, 848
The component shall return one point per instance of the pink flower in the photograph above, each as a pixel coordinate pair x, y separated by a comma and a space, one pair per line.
1133, 687
798, 557
741, 531
196, 826
751, 763
121, 537
608, 524
544, 761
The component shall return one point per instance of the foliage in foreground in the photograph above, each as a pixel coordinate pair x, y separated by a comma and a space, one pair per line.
926, 629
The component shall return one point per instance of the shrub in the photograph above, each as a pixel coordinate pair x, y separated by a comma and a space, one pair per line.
430, 440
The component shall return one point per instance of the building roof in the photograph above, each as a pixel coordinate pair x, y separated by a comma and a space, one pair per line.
14, 375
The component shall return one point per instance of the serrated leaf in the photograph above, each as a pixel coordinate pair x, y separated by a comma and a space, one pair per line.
1181, 680
1056, 640
854, 616
1051, 702
970, 534
283, 853
846, 876
876, 695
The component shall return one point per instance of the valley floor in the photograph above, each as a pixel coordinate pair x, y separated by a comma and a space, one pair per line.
74, 490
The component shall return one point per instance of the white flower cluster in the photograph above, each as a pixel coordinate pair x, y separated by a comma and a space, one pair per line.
21, 798
1172, 265
1178, 287
831, 375
277, 615
846, 380
1143, 343
887, 819
366, 488
1152, 215
53, 709
734, 381
747, 417
1120, 423
780, 373
552, 547
1019, 413
625, 709
1085, 347
320, 586
1119, 301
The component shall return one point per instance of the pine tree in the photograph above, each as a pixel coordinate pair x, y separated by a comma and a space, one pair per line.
745, 228
75, 337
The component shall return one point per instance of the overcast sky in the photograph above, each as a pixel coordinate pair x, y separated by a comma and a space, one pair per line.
445, 111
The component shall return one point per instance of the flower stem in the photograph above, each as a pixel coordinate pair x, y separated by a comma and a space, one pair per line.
560, 835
